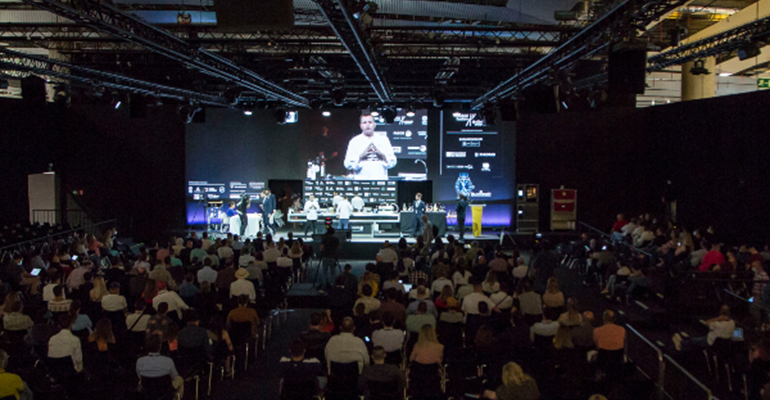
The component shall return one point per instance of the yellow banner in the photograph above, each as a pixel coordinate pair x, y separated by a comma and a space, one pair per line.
476, 212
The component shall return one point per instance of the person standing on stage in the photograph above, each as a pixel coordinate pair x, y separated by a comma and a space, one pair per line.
344, 210
336, 199
419, 210
242, 208
357, 203
311, 214
369, 156
268, 210
462, 206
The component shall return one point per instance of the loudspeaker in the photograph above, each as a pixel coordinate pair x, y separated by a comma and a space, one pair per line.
33, 91
509, 110
245, 16
627, 71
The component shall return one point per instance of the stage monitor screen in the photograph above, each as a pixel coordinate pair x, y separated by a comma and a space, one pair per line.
232, 153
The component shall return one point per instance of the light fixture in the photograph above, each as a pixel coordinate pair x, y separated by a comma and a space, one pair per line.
410, 111
374, 112
699, 67
338, 96
248, 112
726, 74
117, 100
326, 113
748, 50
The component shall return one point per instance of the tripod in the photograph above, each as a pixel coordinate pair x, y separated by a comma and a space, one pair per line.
318, 268
503, 234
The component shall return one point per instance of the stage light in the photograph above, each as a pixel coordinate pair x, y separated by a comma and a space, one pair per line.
699, 68
327, 113
410, 111
117, 100
374, 113
248, 112
748, 50
389, 114
439, 97
726, 74
280, 115
338, 96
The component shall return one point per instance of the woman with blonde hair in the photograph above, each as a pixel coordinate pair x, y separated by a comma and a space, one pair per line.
99, 290
10, 298
553, 299
150, 291
102, 335
572, 317
516, 385
427, 350
490, 284
563, 338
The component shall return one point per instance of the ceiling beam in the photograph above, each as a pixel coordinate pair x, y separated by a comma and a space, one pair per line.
349, 31
108, 19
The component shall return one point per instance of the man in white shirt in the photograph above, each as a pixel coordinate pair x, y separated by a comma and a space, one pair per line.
48, 289
471, 301
65, 344
521, 269
242, 286
311, 214
205, 242
207, 274
344, 211
137, 322
114, 301
369, 155
357, 202
271, 254
336, 199
345, 347
388, 254
225, 251
545, 328
720, 327
439, 283
245, 259
284, 261
175, 303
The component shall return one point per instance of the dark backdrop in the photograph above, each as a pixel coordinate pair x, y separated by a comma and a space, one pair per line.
715, 153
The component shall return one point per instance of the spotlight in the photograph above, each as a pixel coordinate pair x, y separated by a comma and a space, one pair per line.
699, 68
338, 96
389, 114
248, 112
748, 50
374, 113
280, 115
726, 74
4, 84
117, 100
439, 97
327, 113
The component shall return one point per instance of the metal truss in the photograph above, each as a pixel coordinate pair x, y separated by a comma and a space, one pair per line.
623, 19
724, 42
129, 28
64, 72
350, 33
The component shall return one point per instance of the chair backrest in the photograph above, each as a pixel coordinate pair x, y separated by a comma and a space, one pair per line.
62, 366
344, 369
722, 347
383, 390
240, 332
425, 379
157, 388
189, 357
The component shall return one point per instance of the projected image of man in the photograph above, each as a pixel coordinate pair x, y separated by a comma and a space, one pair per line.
369, 156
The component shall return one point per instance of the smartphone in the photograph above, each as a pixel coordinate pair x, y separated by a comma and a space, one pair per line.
366, 339
587, 248
35, 271
74, 258
538, 235
604, 247
751, 299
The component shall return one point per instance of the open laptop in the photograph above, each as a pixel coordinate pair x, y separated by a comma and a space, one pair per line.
738, 334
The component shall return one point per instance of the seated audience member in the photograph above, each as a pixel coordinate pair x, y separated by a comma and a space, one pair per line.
59, 304
299, 372
439, 284
380, 372
609, 336
155, 365
422, 297
394, 307
521, 270
11, 385
572, 317
553, 298
114, 301
242, 286
346, 348
546, 328
65, 344
712, 258
159, 323
720, 327
530, 303
137, 322
516, 385
370, 303
490, 284
255, 274
188, 290
102, 336
194, 336
207, 274
314, 339
388, 338
99, 291
441, 301
243, 313
583, 335
471, 301
461, 275
175, 303
393, 282
502, 299
54, 280
16, 321
415, 322
368, 279
427, 350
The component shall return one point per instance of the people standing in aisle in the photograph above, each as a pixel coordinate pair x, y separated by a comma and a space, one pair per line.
268, 211
311, 214
242, 208
419, 210
330, 246
462, 206
344, 210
